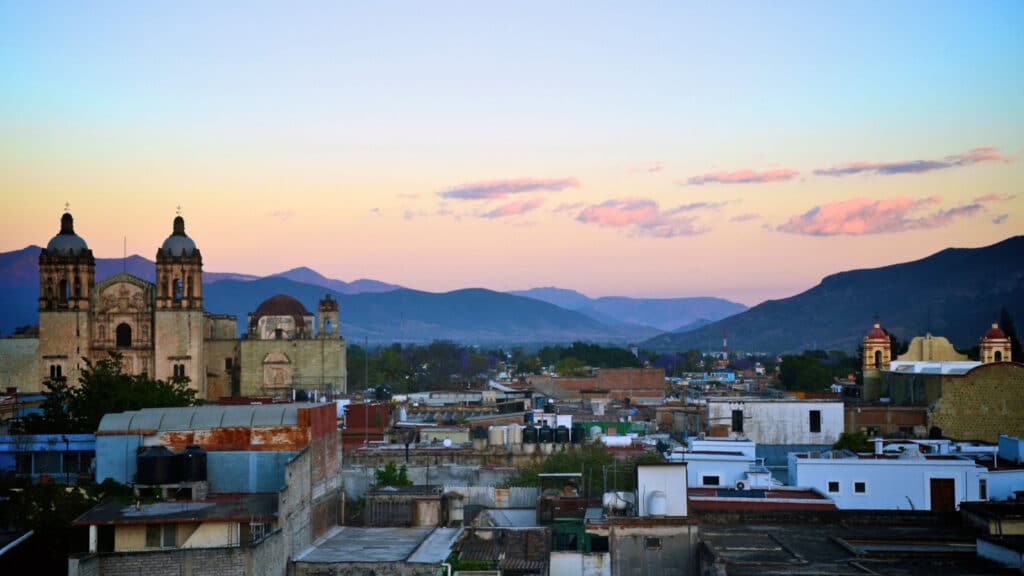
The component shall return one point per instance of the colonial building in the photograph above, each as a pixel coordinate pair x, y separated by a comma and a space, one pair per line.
163, 330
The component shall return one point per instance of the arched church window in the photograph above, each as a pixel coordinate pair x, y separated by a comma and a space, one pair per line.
78, 287
327, 326
124, 336
49, 288
189, 291
998, 356
178, 290
878, 358
102, 332
65, 290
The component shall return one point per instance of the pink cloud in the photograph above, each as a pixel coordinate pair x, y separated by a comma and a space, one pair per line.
498, 189
514, 208
566, 207
994, 198
859, 216
745, 176
745, 217
1000, 218
973, 156
642, 217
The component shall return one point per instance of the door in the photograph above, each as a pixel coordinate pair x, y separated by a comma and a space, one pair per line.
943, 495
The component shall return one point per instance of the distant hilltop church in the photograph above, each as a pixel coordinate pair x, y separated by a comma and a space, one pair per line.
162, 329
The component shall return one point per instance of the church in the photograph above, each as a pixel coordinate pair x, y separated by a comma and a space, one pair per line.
161, 329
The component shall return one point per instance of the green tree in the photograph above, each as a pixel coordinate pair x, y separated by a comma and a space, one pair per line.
103, 388
392, 475
853, 441
569, 367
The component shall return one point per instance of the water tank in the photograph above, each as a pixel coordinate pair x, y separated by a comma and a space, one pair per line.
595, 432
528, 417
657, 503
530, 435
579, 432
515, 434
561, 435
545, 435
496, 436
479, 433
158, 465
193, 464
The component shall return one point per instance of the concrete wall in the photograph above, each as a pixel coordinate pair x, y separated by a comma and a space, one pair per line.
902, 484
178, 336
211, 535
579, 564
64, 338
729, 469
247, 471
633, 554
665, 478
219, 379
115, 458
780, 421
357, 479
888, 421
982, 404
618, 382
1003, 483
313, 364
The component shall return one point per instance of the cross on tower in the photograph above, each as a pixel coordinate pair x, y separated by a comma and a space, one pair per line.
67, 207
179, 209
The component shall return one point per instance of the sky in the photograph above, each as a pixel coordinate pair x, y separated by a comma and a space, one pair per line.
742, 150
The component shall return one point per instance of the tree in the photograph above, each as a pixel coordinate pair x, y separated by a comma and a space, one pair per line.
852, 441
392, 475
1006, 324
569, 367
103, 388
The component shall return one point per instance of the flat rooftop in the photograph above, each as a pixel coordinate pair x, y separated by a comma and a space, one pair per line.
351, 544
217, 508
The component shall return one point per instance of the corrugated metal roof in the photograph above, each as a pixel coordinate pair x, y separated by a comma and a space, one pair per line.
203, 417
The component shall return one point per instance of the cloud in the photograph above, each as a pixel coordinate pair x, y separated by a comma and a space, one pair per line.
498, 189
994, 198
1000, 218
859, 216
650, 168
745, 217
642, 217
514, 208
283, 215
973, 156
696, 206
566, 207
745, 176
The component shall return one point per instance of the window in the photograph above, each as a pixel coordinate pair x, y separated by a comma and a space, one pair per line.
278, 334
833, 486
228, 364
982, 489
47, 463
737, 420
55, 372
599, 544
878, 359
860, 487
23, 463
179, 370
124, 336
65, 291
998, 356
73, 463
651, 543
161, 536
564, 542
815, 420
710, 481
178, 290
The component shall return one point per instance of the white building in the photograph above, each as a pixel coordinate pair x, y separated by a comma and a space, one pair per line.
908, 481
778, 422
722, 463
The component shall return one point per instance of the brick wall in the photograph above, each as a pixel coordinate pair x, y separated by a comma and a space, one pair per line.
618, 382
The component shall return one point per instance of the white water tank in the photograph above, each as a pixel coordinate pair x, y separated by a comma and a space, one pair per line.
657, 503
515, 434
496, 436
617, 441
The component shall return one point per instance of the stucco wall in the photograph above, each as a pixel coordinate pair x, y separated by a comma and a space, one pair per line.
319, 363
780, 422
18, 364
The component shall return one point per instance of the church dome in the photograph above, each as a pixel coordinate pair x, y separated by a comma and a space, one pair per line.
178, 243
66, 242
281, 305
995, 333
877, 332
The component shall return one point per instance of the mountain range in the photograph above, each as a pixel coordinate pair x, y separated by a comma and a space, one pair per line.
385, 312
956, 293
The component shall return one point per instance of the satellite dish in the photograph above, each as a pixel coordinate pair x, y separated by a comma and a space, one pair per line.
447, 442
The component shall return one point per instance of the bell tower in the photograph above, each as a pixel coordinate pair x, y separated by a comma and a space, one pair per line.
995, 346
327, 318
67, 273
877, 354
178, 322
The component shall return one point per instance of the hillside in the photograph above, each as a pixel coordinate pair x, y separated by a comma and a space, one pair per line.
954, 293
665, 314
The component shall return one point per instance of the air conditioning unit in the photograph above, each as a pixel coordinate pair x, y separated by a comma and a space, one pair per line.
741, 485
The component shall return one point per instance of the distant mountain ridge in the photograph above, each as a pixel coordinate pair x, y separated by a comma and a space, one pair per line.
955, 293
665, 314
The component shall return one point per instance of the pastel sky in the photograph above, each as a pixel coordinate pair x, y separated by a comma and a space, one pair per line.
734, 149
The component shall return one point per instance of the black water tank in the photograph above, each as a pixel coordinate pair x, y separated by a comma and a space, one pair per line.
479, 433
530, 435
561, 435
546, 436
578, 433
158, 465
193, 464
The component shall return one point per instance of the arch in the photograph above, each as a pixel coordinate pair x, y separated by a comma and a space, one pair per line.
64, 290
327, 326
124, 336
78, 287
878, 358
188, 292
49, 289
178, 290
998, 356
101, 332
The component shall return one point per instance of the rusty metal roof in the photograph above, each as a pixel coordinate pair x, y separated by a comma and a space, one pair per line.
204, 417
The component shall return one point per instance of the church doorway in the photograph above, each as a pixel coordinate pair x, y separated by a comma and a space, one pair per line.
124, 336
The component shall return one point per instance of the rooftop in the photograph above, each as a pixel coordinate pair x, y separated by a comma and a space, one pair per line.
203, 417
220, 508
348, 544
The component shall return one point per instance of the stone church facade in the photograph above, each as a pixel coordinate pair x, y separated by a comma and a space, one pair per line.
163, 330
